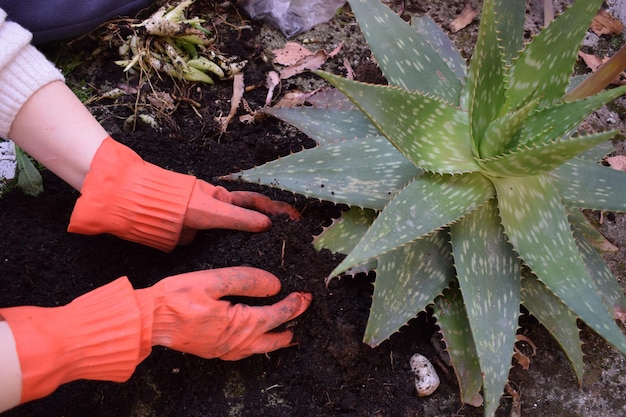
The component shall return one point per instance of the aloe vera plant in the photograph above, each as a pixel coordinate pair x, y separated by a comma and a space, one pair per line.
465, 184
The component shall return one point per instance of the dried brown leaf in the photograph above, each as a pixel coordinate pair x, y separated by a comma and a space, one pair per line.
465, 18
617, 162
235, 101
619, 314
594, 62
606, 24
293, 99
290, 54
299, 59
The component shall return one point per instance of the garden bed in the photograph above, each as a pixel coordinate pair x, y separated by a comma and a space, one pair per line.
331, 372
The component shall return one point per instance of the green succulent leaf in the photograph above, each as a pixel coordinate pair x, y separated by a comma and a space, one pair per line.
589, 185
364, 172
606, 283
510, 16
544, 67
428, 203
404, 56
539, 158
503, 133
455, 328
588, 231
487, 69
535, 221
598, 152
326, 127
556, 121
344, 233
407, 280
441, 43
430, 133
555, 317
489, 277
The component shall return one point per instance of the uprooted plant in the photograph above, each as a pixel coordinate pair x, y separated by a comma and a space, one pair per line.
170, 43
466, 184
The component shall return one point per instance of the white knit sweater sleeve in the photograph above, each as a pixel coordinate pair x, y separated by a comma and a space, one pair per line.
23, 70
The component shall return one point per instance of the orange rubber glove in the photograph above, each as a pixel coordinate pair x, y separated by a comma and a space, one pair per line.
132, 199
106, 333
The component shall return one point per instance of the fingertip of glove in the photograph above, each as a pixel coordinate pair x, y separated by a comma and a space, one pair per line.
304, 301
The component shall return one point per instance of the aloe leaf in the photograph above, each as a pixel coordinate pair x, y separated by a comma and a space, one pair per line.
598, 152
556, 318
457, 335
534, 220
510, 16
441, 43
405, 58
606, 283
486, 74
503, 133
364, 172
407, 280
544, 67
555, 121
428, 203
590, 185
489, 277
539, 158
588, 231
429, 132
325, 126
345, 232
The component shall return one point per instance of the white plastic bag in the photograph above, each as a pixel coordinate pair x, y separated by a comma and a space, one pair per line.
292, 17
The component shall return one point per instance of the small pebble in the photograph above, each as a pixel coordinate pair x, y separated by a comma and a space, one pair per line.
426, 378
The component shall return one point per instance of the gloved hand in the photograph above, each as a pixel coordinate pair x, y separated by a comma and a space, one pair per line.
106, 333
132, 199
186, 314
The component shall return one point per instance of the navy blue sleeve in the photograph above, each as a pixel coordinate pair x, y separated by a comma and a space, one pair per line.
51, 20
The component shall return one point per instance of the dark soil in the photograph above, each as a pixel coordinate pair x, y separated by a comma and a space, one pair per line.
331, 372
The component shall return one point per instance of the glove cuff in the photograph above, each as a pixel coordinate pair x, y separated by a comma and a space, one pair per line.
132, 199
97, 336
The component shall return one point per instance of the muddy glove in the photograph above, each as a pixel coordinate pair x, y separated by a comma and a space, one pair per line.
187, 314
106, 333
132, 199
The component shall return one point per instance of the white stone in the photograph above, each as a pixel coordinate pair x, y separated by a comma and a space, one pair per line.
426, 378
